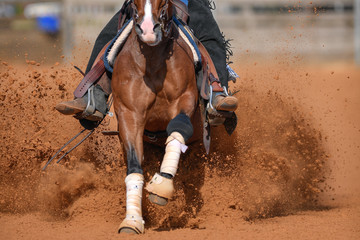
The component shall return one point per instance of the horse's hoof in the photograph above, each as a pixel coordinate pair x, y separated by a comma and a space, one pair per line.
157, 199
132, 226
128, 230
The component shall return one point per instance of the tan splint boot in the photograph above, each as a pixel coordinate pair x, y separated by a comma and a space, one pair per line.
161, 189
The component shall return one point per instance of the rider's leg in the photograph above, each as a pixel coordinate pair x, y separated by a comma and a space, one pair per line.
78, 106
93, 105
207, 31
102, 89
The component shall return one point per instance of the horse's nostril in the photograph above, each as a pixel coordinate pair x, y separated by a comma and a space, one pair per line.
157, 27
138, 29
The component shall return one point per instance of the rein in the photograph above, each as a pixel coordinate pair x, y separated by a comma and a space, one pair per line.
75, 137
163, 17
71, 149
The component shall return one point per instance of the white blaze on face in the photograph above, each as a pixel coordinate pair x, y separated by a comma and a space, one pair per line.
147, 25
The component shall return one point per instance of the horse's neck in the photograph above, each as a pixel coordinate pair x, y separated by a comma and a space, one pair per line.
155, 53
155, 56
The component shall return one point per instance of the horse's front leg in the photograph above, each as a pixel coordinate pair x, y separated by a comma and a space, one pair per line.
161, 186
131, 130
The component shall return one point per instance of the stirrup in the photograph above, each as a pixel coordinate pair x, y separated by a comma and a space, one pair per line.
216, 117
90, 111
225, 93
90, 108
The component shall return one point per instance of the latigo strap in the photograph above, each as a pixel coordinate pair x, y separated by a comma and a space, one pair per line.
90, 78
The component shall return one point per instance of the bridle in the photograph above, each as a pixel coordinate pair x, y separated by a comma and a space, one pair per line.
165, 19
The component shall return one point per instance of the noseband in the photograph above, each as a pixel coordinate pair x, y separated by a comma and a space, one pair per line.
165, 19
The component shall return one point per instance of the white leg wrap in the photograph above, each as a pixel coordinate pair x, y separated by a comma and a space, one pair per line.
133, 221
134, 185
175, 144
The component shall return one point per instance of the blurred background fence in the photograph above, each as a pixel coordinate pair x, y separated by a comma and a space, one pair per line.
318, 29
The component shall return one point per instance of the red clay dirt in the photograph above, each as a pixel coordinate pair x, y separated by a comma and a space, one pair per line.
290, 171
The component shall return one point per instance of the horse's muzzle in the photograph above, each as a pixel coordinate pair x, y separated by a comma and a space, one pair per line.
150, 36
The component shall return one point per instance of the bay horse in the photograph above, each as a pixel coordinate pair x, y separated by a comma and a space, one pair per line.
154, 89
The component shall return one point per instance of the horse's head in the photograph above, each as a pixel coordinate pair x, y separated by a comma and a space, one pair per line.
152, 19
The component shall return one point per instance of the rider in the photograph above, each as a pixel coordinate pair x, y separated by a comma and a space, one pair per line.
206, 30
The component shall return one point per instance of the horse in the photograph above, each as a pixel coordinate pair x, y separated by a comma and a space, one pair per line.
154, 89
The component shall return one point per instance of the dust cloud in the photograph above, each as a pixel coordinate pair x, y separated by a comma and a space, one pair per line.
274, 164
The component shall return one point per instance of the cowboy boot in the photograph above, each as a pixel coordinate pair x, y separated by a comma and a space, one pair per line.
92, 108
207, 31
220, 99
223, 102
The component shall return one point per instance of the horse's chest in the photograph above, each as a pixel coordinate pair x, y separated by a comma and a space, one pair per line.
164, 104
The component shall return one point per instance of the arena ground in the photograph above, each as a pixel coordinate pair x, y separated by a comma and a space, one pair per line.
290, 171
